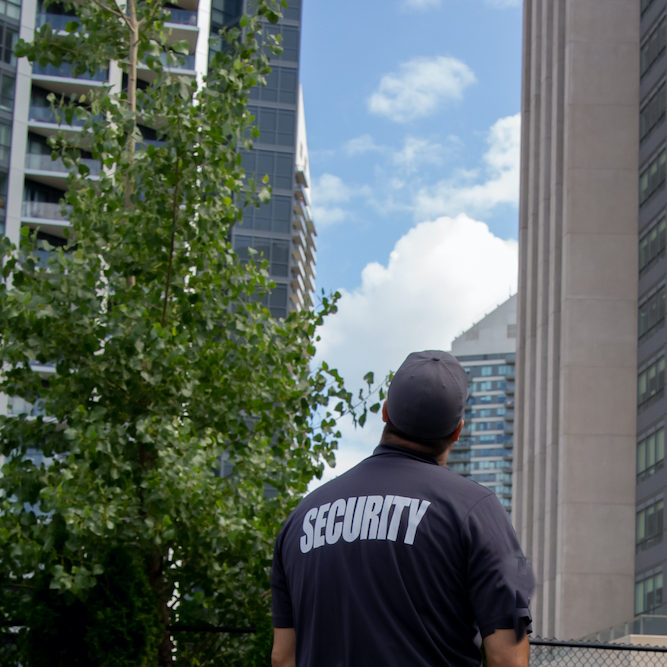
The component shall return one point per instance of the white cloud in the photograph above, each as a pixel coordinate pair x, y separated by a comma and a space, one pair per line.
421, 4
440, 278
474, 192
417, 153
420, 87
502, 4
330, 194
361, 145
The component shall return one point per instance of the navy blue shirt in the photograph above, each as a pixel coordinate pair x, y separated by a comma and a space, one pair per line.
399, 561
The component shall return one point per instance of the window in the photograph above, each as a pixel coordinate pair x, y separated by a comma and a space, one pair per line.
649, 525
275, 251
293, 10
652, 113
652, 244
11, 8
5, 141
652, 48
652, 177
224, 13
279, 167
650, 454
281, 86
272, 217
648, 592
7, 87
652, 312
276, 126
289, 42
276, 301
651, 381
645, 4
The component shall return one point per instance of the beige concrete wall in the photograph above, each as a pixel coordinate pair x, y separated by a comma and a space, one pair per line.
576, 360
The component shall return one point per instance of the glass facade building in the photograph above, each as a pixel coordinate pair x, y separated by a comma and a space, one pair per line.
484, 452
650, 542
32, 185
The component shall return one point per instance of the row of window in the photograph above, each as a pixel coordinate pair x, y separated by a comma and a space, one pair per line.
275, 251
459, 453
645, 4
652, 312
648, 592
289, 42
11, 8
652, 244
653, 112
490, 370
651, 381
488, 439
491, 385
276, 126
652, 48
652, 177
272, 217
486, 412
279, 167
649, 525
650, 454
486, 426
276, 301
486, 399
493, 477
491, 465
281, 86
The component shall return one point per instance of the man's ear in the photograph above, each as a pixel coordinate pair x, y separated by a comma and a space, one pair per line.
457, 433
385, 417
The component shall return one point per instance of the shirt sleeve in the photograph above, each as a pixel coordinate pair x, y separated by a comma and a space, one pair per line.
281, 602
499, 578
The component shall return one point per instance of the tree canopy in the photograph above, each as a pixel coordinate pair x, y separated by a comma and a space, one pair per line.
171, 421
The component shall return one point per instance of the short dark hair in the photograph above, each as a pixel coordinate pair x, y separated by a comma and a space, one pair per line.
436, 445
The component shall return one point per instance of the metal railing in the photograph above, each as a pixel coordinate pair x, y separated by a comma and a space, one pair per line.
45, 210
44, 162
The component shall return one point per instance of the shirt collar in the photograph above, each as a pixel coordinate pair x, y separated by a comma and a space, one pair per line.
384, 448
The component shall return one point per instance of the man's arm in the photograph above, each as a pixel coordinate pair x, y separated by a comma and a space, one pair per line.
284, 648
503, 650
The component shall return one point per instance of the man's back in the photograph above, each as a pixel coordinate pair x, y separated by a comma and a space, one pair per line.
397, 562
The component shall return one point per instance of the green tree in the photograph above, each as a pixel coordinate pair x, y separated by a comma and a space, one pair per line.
147, 351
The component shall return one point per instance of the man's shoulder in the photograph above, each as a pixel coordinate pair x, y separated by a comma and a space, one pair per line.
400, 475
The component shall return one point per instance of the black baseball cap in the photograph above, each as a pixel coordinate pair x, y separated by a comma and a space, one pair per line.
427, 395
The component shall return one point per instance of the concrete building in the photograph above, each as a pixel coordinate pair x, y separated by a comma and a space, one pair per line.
575, 440
487, 352
31, 184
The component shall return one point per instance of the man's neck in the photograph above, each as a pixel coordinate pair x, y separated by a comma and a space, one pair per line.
391, 439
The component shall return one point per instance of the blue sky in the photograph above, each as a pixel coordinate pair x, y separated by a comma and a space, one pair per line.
412, 115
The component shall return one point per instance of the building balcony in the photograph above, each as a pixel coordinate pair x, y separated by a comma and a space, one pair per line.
43, 169
57, 21
62, 80
37, 211
49, 217
185, 66
182, 16
42, 120
181, 25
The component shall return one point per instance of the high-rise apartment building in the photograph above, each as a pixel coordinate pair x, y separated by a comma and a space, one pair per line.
487, 352
32, 184
650, 545
575, 441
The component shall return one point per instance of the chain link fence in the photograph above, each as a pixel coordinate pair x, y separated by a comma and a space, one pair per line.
554, 653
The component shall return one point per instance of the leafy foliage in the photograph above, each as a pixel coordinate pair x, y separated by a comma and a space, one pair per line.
148, 358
